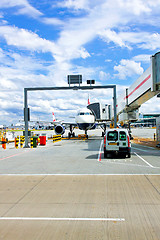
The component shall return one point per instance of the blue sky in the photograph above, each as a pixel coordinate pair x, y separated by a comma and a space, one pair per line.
41, 42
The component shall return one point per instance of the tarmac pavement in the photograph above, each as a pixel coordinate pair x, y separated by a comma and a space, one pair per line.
68, 190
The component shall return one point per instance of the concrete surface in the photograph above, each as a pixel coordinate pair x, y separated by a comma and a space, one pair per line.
143, 132
80, 207
63, 191
78, 157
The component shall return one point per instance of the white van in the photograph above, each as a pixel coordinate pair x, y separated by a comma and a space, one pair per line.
117, 141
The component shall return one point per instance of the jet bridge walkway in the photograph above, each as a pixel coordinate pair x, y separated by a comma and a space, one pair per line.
143, 89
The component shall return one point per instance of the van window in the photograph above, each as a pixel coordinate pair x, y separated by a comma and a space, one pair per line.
112, 136
122, 136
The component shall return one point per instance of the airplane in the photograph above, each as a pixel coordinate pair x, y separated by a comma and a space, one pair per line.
84, 120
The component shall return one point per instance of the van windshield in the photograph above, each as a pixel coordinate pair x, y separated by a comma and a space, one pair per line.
112, 136
122, 136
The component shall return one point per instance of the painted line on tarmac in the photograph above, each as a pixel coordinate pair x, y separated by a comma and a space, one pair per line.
13, 155
100, 152
144, 160
62, 219
127, 164
77, 174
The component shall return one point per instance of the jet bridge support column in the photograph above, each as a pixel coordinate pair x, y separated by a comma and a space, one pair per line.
26, 118
115, 106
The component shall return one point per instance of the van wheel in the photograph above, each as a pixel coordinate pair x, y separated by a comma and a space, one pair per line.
129, 154
122, 155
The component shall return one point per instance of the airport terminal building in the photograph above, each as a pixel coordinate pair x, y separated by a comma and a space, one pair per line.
146, 120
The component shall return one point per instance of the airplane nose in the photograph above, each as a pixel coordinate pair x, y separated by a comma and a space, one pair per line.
86, 119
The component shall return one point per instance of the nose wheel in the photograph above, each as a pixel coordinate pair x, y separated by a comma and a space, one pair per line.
86, 134
71, 134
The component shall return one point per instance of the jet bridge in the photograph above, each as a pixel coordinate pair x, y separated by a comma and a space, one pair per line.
102, 112
143, 89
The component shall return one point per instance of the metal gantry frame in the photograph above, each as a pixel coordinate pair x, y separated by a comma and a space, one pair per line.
26, 90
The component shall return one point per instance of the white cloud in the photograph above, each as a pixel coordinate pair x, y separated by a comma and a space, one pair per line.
112, 36
101, 18
108, 60
18, 71
7, 84
103, 76
23, 7
142, 58
152, 43
60, 101
137, 6
22, 38
128, 68
15, 104
144, 40
151, 106
53, 21
78, 32
83, 53
75, 4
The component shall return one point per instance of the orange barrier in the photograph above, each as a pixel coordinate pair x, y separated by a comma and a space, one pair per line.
4, 143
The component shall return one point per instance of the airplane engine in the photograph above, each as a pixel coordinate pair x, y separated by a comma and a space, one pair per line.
59, 129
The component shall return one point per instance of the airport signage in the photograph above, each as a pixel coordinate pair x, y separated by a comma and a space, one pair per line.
90, 82
74, 79
27, 111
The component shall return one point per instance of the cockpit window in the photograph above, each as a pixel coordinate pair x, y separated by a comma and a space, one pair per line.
85, 113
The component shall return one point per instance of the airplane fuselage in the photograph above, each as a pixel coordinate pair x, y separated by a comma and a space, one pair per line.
85, 119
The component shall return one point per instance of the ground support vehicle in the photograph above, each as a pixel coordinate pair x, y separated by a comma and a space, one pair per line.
117, 141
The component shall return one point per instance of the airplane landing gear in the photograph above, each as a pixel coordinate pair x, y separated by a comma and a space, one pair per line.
103, 133
86, 134
71, 133
104, 130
